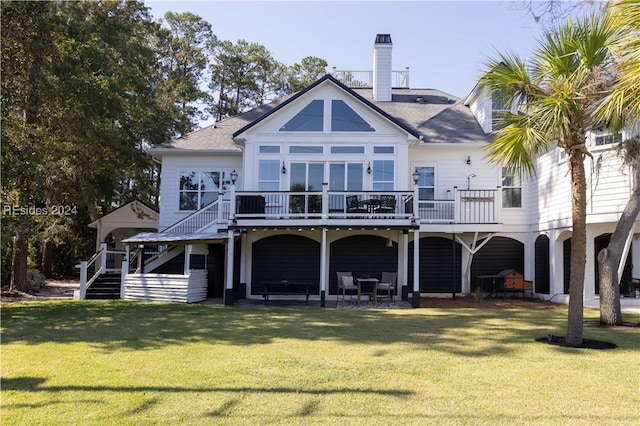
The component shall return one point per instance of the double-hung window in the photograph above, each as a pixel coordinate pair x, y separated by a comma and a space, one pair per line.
511, 188
268, 175
383, 175
426, 186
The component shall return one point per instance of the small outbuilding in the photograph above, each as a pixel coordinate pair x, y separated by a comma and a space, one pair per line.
125, 221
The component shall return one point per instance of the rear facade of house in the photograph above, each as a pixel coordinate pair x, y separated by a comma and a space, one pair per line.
361, 173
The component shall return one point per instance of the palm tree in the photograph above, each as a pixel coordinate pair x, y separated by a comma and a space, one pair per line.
553, 99
620, 106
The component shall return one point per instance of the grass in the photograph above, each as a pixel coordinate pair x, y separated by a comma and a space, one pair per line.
99, 362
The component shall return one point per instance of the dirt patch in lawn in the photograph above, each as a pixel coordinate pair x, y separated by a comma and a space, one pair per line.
53, 289
488, 303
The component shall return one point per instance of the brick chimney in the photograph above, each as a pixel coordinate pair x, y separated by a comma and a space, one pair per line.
382, 68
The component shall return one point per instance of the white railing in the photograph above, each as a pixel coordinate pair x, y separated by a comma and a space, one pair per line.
323, 205
364, 78
467, 207
200, 219
478, 206
105, 260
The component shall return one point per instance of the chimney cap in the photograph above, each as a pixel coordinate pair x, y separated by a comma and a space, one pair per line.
383, 39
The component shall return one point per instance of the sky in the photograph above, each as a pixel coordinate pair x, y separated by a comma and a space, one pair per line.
445, 43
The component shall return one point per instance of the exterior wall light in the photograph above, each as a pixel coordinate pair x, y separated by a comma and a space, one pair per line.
469, 160
369, 168
234, 176
284, 169
416, 176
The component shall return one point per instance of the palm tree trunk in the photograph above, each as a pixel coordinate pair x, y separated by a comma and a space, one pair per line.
578, 248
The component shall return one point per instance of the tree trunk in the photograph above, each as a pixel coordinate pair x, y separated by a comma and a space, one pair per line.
610, 258
47, 258
19, 260
610, 311
578, 248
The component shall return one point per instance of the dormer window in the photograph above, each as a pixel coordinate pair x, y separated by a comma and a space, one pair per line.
308, 120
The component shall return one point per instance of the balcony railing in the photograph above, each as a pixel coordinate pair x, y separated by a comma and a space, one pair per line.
360, 78
467, 207
329, 204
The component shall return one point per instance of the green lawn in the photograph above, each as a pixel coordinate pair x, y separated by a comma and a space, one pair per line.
97, 362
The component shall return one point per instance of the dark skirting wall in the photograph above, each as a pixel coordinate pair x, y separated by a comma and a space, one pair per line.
542, 278
361, 254
499, 254
437, 265
285, 257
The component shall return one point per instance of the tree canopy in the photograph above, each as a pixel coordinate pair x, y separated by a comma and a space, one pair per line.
87, 87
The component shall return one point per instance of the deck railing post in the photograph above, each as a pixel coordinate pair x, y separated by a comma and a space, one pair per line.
232, 203
457, 205
325, 200
103, 256
83, 279
125, 270
220, 207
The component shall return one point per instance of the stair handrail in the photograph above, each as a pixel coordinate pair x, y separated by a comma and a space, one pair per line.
159, 254
85, 282
186, 225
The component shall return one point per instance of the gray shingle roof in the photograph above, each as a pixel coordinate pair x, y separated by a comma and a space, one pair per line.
438, 117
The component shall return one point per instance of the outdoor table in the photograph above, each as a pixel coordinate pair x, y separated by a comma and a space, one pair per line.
373, 287
371, 204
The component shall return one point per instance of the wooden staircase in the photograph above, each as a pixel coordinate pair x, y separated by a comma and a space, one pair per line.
105, 286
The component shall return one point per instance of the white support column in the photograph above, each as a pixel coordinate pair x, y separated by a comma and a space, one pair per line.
403, 267
83, 279
589, 294
625, 253
228, 292
187, 258
123, 276
243, 264
416, 268
323, 264
103, 256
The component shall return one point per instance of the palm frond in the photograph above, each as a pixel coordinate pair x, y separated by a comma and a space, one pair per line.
518, 141
623, 103
507, 75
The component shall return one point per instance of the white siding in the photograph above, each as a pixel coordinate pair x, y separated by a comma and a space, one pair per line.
172, 165
610, 183
166, 287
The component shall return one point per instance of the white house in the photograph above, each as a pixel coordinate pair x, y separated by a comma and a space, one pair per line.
369, 177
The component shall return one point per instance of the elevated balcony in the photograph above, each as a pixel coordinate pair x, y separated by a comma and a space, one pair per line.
367, 209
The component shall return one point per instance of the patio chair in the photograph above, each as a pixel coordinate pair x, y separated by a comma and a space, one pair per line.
354, 205
388, 204
388, 283
345, 282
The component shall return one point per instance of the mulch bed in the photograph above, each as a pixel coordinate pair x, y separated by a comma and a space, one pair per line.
586, 343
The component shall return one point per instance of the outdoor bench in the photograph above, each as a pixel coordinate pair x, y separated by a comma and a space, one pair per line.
286, 288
